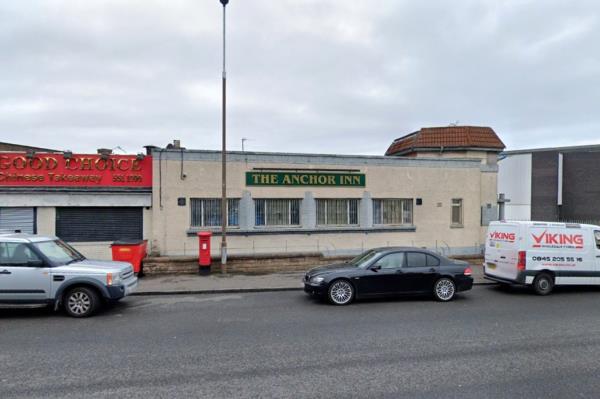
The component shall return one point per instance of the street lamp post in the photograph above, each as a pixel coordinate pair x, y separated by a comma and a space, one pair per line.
224, 161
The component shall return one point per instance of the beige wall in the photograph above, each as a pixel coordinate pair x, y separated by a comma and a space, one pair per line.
436, 183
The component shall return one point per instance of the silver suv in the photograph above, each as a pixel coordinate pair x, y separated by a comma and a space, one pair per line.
44, 270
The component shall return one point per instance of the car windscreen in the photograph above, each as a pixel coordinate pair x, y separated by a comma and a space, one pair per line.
59, 252
364, 259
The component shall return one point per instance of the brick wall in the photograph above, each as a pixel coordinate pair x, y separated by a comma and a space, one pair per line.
257, 264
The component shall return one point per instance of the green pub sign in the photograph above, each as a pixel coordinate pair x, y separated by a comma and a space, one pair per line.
305, 179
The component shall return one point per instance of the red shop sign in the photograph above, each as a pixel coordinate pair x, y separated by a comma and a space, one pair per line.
78, 170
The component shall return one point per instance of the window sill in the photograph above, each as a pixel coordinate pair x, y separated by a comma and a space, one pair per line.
213, 229
317, 230
457, 226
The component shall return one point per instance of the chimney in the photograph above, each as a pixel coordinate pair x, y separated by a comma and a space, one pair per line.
104, 151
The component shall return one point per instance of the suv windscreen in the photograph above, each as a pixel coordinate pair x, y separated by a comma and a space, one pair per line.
59, 252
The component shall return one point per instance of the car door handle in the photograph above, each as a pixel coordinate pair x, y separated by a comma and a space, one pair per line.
503, 257
432, 270
5, 272
399, 272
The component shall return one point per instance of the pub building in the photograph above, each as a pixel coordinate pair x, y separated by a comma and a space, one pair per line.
434, 188
88, 200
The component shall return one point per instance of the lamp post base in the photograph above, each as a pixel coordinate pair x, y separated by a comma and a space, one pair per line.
223, 258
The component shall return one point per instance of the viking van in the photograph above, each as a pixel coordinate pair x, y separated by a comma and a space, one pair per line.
542, 255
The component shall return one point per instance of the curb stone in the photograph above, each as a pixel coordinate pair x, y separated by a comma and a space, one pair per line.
232, 291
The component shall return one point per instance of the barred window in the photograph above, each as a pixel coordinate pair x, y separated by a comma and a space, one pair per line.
340, 212
393, 211
277, 212
457, 211
206, 212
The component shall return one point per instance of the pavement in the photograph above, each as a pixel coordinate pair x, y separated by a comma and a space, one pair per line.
234, 283
487, 343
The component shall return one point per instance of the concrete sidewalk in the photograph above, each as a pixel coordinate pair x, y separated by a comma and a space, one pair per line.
216, 283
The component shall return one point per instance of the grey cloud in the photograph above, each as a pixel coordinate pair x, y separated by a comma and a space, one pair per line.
309, 76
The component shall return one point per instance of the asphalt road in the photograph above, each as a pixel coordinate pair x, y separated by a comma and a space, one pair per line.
488, 343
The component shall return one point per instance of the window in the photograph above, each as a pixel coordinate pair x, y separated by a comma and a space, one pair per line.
416, 259
16, 254
393, 211
392, 261
597, 237
432, 261
277, 212
457, 211
58, 252
206, 212
337, 212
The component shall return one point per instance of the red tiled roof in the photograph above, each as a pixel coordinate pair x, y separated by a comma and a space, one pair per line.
436, 138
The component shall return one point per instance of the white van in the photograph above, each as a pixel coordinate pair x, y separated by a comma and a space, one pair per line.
542, 254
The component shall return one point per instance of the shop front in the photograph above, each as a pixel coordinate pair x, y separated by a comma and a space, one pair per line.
89, 200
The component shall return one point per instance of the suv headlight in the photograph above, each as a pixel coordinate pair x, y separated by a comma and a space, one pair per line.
317, 279
113, 279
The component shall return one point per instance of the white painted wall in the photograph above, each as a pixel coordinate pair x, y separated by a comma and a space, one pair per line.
514, 180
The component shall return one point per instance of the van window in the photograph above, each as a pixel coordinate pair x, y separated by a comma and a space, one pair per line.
597, 237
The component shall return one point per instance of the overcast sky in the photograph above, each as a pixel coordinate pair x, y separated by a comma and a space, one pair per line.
326, 76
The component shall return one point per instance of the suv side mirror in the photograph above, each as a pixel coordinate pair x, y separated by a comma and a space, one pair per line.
35, 263
376, 267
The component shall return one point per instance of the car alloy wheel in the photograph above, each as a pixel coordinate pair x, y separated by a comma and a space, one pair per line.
81, 302
341, 292
444, 289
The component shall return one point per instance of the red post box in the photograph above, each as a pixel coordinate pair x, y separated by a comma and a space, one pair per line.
204, 251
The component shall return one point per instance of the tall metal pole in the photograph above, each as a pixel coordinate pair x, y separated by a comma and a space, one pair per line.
224, 161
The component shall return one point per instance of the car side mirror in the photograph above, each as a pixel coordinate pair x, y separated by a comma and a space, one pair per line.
376, 267
35, 263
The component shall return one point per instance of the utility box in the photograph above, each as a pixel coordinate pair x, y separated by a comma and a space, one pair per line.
204, 251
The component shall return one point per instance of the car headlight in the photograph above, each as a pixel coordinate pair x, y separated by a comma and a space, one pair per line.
113, 279
317, 279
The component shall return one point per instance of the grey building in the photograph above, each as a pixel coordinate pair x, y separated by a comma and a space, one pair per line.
551, 184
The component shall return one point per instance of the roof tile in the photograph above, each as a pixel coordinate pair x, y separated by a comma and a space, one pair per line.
464, 137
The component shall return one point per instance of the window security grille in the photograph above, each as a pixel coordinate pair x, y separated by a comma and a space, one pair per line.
206, 212
277, 212
398, 211
337, 212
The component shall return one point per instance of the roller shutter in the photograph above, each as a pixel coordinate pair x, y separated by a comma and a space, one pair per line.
17, 220
99, 223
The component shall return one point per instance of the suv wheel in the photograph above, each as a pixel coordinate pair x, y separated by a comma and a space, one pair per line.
81, 302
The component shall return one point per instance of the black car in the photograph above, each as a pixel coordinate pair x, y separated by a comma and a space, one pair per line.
390, 271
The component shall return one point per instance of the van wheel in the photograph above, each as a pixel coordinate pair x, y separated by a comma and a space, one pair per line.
543, 284
81, 302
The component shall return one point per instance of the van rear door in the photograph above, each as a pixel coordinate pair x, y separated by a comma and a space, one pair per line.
502, 249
